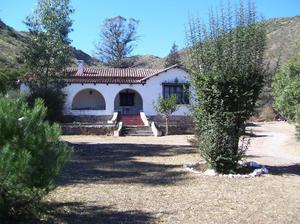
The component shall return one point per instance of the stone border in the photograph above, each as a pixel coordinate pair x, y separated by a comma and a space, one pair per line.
191, 167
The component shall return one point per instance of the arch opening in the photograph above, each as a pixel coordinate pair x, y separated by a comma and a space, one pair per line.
88, 99
128, 101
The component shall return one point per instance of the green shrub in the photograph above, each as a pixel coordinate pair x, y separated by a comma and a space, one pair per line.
166, 107
31, 156
219, 145
53, 98
227, 70
286, 89
9, 78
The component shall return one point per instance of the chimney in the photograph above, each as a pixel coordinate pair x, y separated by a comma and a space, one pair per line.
80, 67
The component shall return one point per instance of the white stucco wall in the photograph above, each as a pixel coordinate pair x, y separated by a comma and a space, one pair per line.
149, 92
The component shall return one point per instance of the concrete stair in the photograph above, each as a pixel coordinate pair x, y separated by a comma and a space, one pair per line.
136, 131
131, 120
133, 125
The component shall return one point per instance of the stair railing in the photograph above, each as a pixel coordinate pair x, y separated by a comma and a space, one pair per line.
119, 129
144, 119
154, 129
114, 118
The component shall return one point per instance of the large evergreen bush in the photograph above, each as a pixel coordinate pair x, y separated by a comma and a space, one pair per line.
31, 156
226, 65
286, 89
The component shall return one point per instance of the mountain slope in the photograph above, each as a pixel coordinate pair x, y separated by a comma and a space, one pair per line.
282, 36
12, 42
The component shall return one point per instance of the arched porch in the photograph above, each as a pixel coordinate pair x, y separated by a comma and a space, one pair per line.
128, 101
88, 99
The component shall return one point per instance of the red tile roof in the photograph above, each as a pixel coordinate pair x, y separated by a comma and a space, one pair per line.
113, 75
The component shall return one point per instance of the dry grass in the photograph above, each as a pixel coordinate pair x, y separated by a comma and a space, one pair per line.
145, 183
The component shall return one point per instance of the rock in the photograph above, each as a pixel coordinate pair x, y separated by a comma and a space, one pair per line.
192, 170
242, 163
256, 173
21, 119
210, 172
191, 165
254, 164
264, 170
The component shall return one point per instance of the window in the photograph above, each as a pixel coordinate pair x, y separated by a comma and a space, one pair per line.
181, 90
126, 99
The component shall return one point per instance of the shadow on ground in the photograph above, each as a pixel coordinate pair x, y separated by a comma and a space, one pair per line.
79, 213
285, 170
76, 212
118, 163
252, 135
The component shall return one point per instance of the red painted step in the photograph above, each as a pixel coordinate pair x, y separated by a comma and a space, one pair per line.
131, 120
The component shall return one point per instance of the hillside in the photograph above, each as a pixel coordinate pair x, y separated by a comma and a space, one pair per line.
147, 61
282, 37
12, 42
282, 34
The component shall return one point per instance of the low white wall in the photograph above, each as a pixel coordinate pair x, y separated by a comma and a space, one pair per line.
149, 92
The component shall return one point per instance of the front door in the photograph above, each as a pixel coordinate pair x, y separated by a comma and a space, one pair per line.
127, 103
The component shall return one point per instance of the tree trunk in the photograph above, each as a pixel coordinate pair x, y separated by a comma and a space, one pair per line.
167, 125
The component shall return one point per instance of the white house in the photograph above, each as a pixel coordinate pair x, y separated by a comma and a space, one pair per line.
114, 94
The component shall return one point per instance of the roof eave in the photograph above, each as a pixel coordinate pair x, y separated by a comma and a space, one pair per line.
162, 71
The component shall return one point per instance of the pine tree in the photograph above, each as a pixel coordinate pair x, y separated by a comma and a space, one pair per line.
118, 36
47, 54
31, 156
173, 57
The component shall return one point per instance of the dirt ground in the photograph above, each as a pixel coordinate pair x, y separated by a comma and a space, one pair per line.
141, 180
275, 143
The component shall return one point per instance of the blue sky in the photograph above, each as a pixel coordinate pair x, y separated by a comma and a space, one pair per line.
161, 21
